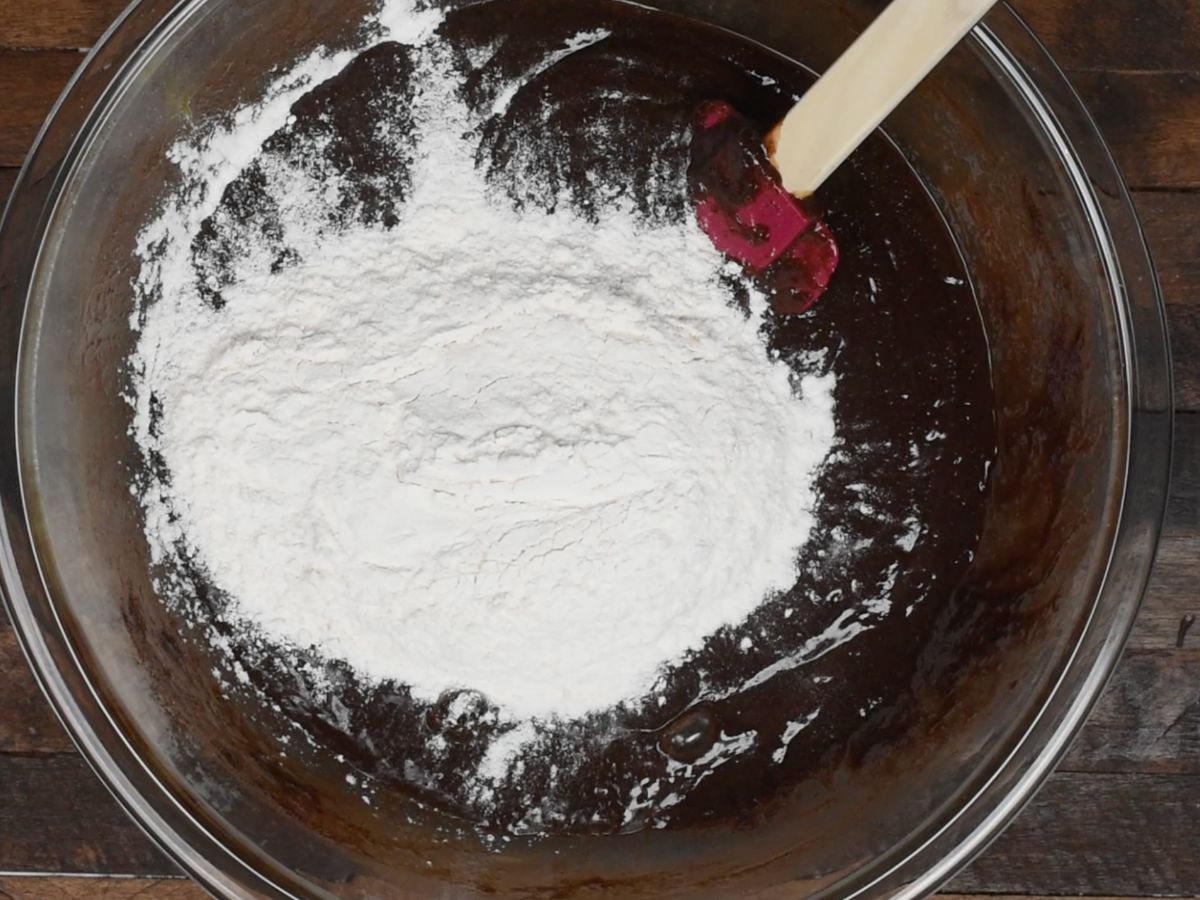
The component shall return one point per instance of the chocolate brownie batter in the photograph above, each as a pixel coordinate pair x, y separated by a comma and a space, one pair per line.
828, 670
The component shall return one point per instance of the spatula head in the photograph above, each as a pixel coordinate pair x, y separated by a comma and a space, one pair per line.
745, 211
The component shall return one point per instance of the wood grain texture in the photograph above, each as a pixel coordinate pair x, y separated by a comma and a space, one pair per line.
1148, 719
1175, 586
1173, 594
56, 816
55, 23
1183, 510
1125, 835
28, 726
30, 82
1171, 221
1162, 35
82, 888
7, 177
1151, 121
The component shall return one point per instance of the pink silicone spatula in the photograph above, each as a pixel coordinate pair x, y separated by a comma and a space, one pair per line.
749, 190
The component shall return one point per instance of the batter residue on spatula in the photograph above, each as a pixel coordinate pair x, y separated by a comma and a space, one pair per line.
750, 217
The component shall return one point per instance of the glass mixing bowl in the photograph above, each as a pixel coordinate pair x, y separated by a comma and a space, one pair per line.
1081, 370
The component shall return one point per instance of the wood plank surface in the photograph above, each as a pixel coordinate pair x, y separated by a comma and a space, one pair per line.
1148, 719
77, 888
7, 177
29, 84
28, 726
1151, 121
1170, 220
1158, 35
1128, 835
56, 816
55, 24
1174, 590
1121, 816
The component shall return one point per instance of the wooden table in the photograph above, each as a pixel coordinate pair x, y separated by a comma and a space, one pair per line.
1120, 818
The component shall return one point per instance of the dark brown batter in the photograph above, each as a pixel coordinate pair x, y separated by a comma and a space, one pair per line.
901, 496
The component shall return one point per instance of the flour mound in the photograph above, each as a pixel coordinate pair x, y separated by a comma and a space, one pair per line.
517, 452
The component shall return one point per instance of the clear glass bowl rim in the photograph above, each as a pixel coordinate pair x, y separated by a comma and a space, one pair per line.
929, 857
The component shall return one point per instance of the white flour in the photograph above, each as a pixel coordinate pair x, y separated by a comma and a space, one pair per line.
514, 452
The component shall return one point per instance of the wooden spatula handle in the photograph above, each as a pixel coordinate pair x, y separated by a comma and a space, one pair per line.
866, 83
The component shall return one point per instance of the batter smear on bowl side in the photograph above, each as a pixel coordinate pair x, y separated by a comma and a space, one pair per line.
479, 465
